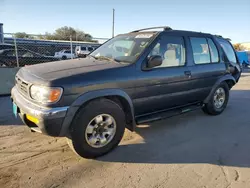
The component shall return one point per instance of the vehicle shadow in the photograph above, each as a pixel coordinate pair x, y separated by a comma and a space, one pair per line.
189, 138
193, 138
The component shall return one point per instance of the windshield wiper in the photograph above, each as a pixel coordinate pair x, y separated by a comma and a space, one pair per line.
106, 58
92, 56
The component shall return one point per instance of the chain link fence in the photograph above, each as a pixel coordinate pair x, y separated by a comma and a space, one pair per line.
19, 52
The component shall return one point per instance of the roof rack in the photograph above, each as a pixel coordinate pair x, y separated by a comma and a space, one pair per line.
165, 28
218, 36
223, 37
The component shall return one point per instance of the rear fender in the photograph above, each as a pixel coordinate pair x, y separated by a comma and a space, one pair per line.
227, 78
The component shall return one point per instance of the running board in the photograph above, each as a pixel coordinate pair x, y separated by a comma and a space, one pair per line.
166, 114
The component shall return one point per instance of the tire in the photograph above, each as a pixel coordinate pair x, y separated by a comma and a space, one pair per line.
80, 141
210, 107
64, 57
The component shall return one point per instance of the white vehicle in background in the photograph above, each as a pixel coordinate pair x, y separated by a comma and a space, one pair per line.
64, 54
83, 51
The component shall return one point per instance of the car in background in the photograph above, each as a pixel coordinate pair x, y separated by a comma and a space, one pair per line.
83, 51
6, 46
64, 54
243, 57
25, 57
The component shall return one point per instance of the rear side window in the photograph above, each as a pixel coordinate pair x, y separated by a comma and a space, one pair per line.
200, 50
228, 49
204, 50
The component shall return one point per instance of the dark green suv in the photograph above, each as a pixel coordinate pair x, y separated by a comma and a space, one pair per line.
134, 78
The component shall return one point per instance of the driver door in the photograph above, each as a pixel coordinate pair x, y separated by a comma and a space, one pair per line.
165, 86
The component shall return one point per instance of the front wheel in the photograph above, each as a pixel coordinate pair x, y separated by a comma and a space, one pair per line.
218, 100
97, 128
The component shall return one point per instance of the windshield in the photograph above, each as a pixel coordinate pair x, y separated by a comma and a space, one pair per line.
124, 48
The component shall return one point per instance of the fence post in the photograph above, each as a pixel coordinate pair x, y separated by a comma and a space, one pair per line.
17, 62
71, 47
1, 33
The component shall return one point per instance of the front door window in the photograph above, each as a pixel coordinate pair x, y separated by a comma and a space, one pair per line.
172, 51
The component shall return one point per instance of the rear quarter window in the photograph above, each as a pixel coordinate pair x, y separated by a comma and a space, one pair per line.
228, 49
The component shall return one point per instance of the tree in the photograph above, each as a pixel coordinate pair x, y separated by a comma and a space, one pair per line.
238, 47
64, 33
23, 35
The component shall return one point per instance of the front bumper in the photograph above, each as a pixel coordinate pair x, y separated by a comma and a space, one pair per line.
50, 119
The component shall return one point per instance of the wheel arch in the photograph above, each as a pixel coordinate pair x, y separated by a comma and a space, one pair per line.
229, 79
117, 95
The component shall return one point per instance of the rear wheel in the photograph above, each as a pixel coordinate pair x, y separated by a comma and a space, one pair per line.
97, 128
218, 100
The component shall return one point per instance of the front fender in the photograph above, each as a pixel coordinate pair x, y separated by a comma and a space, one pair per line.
101, 93
84, 98
226, 78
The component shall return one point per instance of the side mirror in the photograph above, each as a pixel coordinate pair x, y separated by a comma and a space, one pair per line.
154, 61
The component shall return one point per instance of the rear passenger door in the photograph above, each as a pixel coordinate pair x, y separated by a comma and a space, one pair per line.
206, 66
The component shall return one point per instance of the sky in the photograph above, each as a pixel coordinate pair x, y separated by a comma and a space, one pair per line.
229, 18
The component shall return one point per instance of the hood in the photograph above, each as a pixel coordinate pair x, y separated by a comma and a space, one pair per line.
60, 69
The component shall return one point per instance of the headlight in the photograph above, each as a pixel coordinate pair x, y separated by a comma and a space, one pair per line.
45, 94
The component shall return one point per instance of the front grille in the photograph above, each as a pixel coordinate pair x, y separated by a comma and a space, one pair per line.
22, 86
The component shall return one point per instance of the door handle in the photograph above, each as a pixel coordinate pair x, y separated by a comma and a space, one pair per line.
188, 73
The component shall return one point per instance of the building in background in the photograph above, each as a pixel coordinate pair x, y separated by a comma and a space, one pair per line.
246, 45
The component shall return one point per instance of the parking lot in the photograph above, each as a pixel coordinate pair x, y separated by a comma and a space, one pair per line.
191, 150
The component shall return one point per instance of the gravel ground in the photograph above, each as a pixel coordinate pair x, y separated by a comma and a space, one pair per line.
192, 150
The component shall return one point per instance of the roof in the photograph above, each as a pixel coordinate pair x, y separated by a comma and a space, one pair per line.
168, 29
